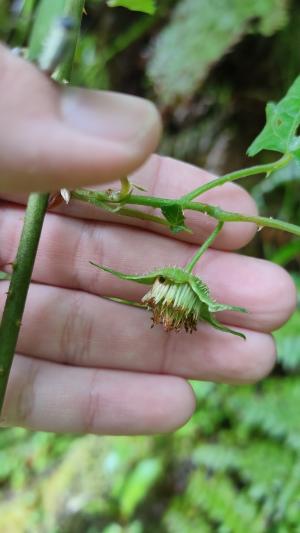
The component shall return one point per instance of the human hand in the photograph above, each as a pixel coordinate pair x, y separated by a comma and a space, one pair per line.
87, 364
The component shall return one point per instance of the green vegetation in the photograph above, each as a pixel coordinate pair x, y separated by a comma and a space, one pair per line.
205, 31
235, 467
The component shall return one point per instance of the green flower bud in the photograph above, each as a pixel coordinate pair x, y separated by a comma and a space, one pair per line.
178, 299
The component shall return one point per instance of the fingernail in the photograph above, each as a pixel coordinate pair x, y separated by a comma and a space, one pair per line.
113, 116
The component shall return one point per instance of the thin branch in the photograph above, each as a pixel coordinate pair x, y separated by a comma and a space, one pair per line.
98, 198
189, 267
134, 213
238, 174
79, 194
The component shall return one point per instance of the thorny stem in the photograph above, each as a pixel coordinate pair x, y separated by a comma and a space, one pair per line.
238, 174
189, 267
34, 217
97, 198
16, 296
99, 201
134, 213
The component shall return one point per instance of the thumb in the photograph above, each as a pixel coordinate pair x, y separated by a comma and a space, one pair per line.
53, 136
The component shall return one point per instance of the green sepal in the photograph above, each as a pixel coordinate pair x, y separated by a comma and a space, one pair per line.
173, 274
145, 279
207, 317
123, 301
202, 290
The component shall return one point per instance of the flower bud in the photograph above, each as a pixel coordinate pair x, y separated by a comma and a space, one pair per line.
178, 299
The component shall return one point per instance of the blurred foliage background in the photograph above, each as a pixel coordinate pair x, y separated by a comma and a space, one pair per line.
235, 467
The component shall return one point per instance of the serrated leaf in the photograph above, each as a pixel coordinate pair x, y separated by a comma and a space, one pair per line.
174, 215
145, 6
271, 410
282, 121
199, 34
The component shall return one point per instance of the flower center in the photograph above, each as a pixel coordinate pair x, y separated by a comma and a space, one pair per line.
176, 306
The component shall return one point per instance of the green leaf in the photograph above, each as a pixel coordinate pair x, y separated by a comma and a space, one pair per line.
285, 253
46, 14
199, 34
288, 343
219, 500
46, 17
270, 409
282, 121
174, 215
296, 278
145, 6
139, 483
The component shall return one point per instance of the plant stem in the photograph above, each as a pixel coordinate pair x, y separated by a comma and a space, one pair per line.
238, 174
36, 207
97, 198
189, 267
16, 297
90, 198
134, 213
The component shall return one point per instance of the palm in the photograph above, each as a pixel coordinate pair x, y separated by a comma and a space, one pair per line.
86, 363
